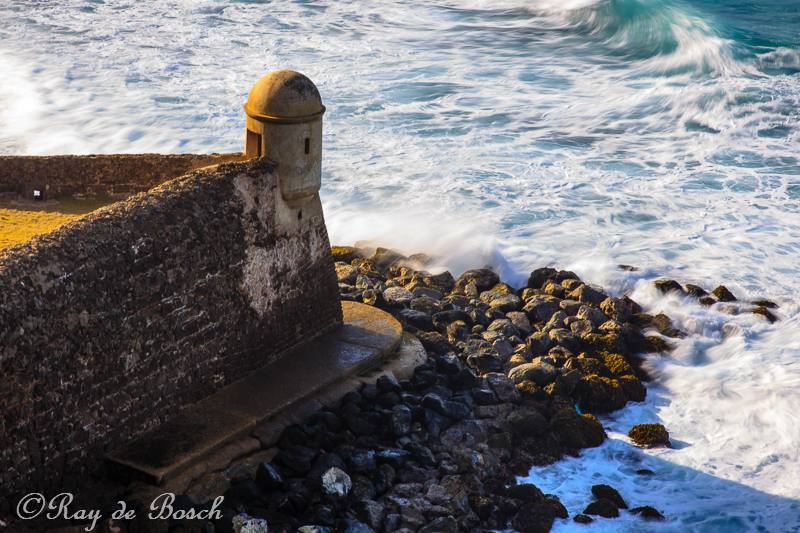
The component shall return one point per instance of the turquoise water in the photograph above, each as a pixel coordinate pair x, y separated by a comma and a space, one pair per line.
577, 133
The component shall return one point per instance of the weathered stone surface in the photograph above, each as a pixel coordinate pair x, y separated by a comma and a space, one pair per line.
335, 481
163, 304
398, 296
602, 507
483, 278
722, 294
587, 294
521, 322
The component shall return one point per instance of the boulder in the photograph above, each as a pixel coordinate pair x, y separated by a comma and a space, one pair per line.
602, 507
595, 316
648, 513
521, 322
609, 493
504, 327
539, 373
588, 294
397, 297
600, 395
539, 343
346, 273
722, 294
540, 276
483, 278
541, 308
335, 481
616, 309
576, 431
668, 285
650, 435
534, 518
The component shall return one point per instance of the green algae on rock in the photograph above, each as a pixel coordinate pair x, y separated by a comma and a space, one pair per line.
650, 435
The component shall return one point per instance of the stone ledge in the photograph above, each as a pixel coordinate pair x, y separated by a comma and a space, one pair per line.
367, 338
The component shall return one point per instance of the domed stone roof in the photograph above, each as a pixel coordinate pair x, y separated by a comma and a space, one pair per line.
284, 96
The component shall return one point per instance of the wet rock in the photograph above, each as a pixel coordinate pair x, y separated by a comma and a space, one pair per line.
526, 422
320, 515
648, 513
335, 481
425, 292
600, 395
394, 457
650, 435
539, 372
534, 518
616, 309
602, 507
483, 278
540, 276
722, 294
706, 301
668, 285
576, 431
695, 291
617, 364
665, 326
525, 492
765, 303
583, 519
611, 343
763, 311
633, 388
587, 294
354, 526
556, 321
433, 342
322, 464
362, 463
609, 493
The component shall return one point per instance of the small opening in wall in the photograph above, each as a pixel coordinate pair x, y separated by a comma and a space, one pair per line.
300, 215
308, 145
37, 196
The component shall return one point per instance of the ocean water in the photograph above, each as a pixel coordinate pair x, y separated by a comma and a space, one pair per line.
579, 134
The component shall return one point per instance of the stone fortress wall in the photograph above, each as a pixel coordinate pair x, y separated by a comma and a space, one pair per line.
121, 174
113, 323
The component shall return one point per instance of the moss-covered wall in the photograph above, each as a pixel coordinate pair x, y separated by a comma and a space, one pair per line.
112, 323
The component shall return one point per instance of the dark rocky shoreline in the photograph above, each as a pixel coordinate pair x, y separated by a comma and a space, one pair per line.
513, 380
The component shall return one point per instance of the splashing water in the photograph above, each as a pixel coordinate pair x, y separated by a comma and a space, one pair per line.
581, 134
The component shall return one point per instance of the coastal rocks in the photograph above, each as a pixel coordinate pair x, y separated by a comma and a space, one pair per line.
576, 431
609, 493
722, 294
668, 285
650, 435
600, 394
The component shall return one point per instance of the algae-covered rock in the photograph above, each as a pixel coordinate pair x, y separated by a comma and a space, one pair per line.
666, 327
386, 258
668, 285
600, 395
648, 513
722, 294
611, 343
656, 344
706, 301
602, 507
617, 364
650, 435
529, 389
616, 309
695, 291
576, 431
521, 322
345, 253
609, 493
763, 311
633, 388
765, 303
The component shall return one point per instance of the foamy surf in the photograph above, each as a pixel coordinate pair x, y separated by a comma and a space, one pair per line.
576, 134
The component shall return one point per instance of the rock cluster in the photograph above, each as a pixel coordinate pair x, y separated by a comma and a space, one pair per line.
720, 294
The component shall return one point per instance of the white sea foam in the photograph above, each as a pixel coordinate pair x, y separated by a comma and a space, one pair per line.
576, 134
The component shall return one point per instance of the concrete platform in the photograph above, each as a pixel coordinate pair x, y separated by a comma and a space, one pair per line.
366, 339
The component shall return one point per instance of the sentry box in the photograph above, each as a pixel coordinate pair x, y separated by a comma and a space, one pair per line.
284, 123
